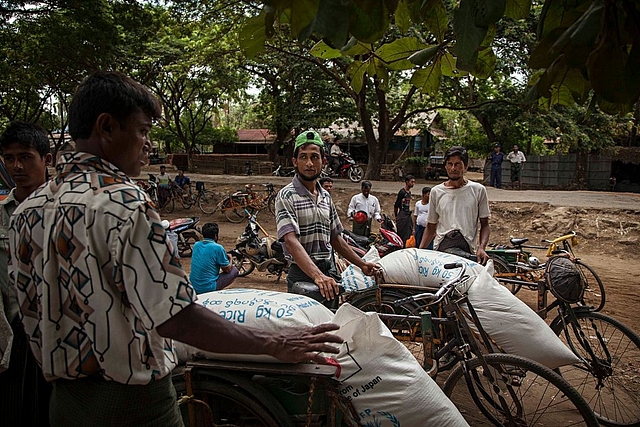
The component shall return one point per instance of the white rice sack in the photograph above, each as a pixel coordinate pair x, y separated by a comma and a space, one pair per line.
423, 267
256, 308
383, 380
513, 325
353, 279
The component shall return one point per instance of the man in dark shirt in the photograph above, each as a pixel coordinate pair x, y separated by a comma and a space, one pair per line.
496, 166
402, 209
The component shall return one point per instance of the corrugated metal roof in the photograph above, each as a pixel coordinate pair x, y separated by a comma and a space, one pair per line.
255, 136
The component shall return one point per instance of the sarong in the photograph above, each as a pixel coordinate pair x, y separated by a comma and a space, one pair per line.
404, 225
515, 171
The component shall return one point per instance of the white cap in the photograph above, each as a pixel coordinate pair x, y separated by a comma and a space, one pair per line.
165, 224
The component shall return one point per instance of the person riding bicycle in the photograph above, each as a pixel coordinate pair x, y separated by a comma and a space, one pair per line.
455, 208
308, 222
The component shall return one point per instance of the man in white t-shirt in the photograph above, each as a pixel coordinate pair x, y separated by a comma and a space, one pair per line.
420, 216
455, 208
368, 204
335, 156
517, 158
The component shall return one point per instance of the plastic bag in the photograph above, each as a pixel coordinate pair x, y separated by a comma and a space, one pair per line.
411, 242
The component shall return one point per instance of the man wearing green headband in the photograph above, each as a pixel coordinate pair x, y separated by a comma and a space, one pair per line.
308, 221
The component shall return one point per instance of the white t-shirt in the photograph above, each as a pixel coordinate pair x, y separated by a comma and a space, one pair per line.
420, 211
335, 150
516, 157
458, 209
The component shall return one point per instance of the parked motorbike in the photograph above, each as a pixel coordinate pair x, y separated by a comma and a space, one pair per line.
280, 171
187, 232
385, 242
253, 252
348, 169
150, 187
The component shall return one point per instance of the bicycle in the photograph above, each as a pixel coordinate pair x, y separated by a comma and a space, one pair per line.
515, 267
488, 388
609, 352
242, 203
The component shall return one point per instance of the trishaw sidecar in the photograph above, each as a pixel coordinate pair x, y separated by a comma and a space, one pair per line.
232, 393
435, 168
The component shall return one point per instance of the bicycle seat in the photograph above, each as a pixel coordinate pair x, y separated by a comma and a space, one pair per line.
361, 241
518, 241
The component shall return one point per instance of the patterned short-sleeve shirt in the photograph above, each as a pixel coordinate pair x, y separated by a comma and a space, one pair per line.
95, 275
313, 220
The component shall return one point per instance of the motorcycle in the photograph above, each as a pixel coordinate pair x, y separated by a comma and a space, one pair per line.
150, 187
348, 169
186, 233
385, 242
264, 254
280, 171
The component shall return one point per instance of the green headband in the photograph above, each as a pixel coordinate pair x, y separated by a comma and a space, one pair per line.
308, 137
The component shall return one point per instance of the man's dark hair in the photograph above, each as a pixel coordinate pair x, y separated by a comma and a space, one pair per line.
28, 134
457, 150
426, 190
365, 184
325, 179
108, 92
210, 230
409, 178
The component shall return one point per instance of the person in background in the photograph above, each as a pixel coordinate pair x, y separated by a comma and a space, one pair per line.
496, 158
402, 209
183, 182
455, 208
212, 268
163, 184
367, 203
336, 157
327, 183
308, 222
517, 158
420, 216
25, 393
111, 297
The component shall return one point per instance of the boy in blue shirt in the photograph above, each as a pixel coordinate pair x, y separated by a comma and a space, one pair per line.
211, 267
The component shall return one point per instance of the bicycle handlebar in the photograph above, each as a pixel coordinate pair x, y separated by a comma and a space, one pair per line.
440, 293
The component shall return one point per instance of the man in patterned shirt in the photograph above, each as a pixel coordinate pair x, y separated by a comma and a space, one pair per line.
308, 222
100, 291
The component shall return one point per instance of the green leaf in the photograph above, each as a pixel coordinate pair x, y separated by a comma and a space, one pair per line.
562, 96
252, 36
356, 72
632, 72
573, 80
449, 67
394, 55
423, 56
324, 51
468, 35
517, 9
436, 19
488, 12
560, 14
403, 20
428, 79
332, 23
578, 40
541, 56
485, 65
376, 68
606, 68
302, 15
614, 107
368, 25
358, 48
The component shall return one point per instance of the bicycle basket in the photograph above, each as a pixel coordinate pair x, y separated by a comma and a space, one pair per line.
564, 279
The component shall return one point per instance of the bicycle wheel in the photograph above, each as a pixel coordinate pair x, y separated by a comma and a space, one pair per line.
207, 201
501, 267
233, 211
242, 263
231, 404
594, 295
608, 380
169, 204
271, 203
185, 245
533, 394
407, 332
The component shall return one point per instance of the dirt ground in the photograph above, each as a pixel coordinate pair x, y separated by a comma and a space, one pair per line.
609, 239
